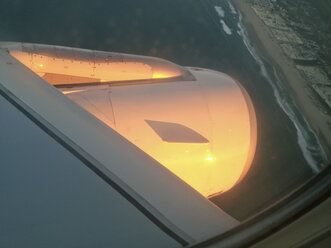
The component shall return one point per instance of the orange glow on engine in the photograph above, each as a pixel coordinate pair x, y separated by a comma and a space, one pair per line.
209, 158
211, 167
66, 70
213, 106
160, 75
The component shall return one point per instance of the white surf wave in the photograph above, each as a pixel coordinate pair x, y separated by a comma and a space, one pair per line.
232, 9
226, 28
220, 11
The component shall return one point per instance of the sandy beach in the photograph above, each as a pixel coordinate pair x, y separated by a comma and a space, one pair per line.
289, 75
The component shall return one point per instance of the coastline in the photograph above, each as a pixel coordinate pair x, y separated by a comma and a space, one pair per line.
290, 77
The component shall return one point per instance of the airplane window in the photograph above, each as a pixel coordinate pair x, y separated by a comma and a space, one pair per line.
231, 96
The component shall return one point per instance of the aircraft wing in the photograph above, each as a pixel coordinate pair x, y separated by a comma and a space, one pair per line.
103, 185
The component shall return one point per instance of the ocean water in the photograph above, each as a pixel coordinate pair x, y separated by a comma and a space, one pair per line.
201, 33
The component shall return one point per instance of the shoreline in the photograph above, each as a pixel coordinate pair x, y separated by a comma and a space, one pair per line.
289, 75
